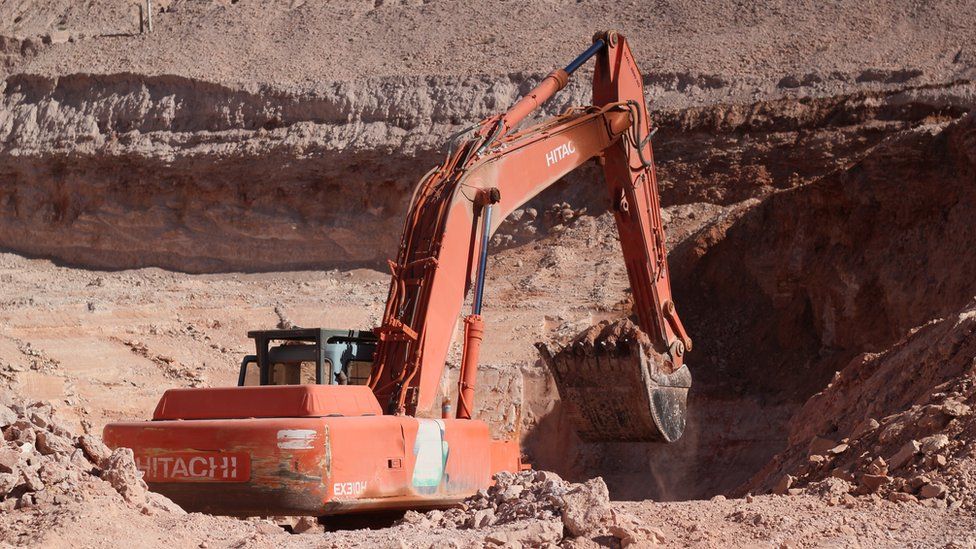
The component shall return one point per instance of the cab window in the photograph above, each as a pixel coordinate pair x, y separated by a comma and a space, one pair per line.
252, 374
292, 373
359, 371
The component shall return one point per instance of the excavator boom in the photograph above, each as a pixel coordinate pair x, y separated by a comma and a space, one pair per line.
486, 178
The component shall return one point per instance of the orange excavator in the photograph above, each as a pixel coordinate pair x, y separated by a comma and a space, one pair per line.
326, 422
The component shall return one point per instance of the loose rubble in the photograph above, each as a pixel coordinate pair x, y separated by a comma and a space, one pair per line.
42, 462
563, 509
909, 421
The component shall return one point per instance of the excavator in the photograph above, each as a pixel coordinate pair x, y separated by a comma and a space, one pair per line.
328, 422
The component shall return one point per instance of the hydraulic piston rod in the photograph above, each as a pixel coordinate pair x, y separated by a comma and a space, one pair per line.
550, 85
598, 45
479, 288
474, 325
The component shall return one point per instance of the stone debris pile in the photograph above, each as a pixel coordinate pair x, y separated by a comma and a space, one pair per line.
539, 507
43, 463
900, 459
530, 494
905, 427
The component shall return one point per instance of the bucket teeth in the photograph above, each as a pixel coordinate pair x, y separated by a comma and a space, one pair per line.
615, 387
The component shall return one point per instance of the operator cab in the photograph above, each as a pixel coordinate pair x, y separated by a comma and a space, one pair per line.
308, 356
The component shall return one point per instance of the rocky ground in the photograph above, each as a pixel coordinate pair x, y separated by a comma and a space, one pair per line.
162, 193
62, 490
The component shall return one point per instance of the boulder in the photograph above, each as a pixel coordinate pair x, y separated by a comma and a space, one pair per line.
7, 483
31, 480
839, 449
57, 37
934, 443
953, 408
512, 492
586, 508
864, 427
872, 483
9, 459
54, 472
933, 490
7, 416
40, 418
904, 455
820, 446
483, 518
48, 443
539, 533
95, 450
877, 467
307, 525
901, 497
632, 533
783, 486
121, 472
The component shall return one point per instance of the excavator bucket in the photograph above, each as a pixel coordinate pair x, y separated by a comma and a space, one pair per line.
616, 387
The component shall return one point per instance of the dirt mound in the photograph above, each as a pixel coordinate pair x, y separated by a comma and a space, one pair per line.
897, 423
847, 267
782, 292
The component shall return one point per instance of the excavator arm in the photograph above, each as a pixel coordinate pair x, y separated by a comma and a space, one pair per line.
459, 205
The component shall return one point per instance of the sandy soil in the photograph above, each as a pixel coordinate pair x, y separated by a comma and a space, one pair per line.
299, 43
